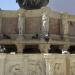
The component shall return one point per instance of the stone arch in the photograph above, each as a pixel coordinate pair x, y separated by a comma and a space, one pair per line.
31, 49
8, 48
72, 49
55, 49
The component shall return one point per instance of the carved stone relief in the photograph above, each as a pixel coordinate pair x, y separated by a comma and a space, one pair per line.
29, 65
55, 65
14, 65
58, 69
36, 66
73, 68
15, 69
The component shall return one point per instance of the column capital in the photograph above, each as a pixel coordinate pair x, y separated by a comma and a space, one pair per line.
65, 47
44, 48
20, 48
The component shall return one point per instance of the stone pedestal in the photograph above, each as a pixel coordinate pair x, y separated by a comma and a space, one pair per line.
20, 38
65, 26
20, 48
0, 22
44, 48
65, 48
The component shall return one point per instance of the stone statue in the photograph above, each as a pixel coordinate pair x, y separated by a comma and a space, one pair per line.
32, 4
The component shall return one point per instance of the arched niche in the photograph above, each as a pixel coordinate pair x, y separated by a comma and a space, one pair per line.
31, 49
55, 49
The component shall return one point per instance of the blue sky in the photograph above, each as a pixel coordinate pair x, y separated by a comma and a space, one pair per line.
58, 5
8, 5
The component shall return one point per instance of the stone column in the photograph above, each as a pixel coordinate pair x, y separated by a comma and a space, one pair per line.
65, 26
3, 57
44, 48
21, 22
66, 47
20, 48
0, 23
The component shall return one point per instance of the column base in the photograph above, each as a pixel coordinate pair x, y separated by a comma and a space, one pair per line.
65, 49
20, 48
44, 48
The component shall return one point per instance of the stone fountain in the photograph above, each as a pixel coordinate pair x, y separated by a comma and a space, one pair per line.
32, 4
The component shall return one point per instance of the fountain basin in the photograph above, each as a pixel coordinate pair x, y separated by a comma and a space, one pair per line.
32, 4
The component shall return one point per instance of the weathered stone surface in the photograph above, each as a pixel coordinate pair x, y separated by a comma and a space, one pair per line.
54, 26
10, 25
2, 64
37, 64
72, 65
25, 65
14, 65
54, 65
33, 25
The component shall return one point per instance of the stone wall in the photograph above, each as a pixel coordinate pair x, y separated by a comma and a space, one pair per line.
71, 28
33, 25
37, 64
58, 22
10, 25
54, 26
